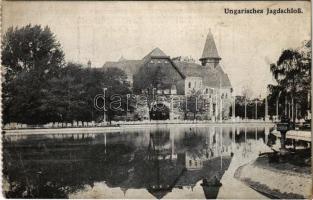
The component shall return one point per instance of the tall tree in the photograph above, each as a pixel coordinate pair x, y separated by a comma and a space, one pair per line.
115, 80
291, 73
247, 94
31, 48
31, 56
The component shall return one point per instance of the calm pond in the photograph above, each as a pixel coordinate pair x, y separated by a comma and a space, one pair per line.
161, 162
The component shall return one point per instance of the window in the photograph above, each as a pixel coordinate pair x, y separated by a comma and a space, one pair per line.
189, 85
206, 90
190, 162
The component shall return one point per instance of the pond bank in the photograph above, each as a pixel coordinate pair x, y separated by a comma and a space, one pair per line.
295, 134
126, 127
276, 180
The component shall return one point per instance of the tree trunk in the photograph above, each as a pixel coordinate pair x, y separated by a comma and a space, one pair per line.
283, 140
277, 105
245, 109
293, 111
293, 103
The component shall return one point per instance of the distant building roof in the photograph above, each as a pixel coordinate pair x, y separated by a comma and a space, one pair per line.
211, 76
122, 59
155, 53
129, 66
210, 50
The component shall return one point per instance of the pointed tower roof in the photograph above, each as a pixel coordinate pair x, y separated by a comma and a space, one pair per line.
210, 50
157, 52
89, 63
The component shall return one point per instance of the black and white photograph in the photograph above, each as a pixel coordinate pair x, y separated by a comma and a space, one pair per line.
156, 100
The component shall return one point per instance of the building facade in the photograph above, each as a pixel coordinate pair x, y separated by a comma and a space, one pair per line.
161, 81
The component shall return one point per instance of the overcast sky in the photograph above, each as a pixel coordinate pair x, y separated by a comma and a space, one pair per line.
105, 31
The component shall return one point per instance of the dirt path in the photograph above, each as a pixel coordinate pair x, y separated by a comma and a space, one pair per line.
277, 183
233, 188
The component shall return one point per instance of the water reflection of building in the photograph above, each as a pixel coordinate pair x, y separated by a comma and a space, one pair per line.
157, 159
161, 146
193, 162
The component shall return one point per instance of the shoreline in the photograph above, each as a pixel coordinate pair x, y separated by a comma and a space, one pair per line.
126, 127
274, 183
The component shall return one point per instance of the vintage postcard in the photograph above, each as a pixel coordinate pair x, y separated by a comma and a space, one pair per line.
156, 100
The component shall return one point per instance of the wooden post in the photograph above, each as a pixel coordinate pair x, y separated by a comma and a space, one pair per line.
211, 106
292, 109
221, 103
245, 108
285, 106
104, 110
234, 108
266, 108
289, 110
277, 104
256, 109
296, 110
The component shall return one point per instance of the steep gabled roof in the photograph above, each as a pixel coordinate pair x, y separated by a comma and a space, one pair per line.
210, 50
155, 53
211, 77
158, 53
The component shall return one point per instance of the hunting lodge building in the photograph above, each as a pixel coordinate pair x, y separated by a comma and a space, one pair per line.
173, 78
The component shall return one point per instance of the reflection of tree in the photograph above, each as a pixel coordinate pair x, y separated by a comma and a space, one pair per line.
65, 171
64, 165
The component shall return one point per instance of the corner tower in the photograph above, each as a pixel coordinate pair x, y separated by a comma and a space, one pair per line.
210, 55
